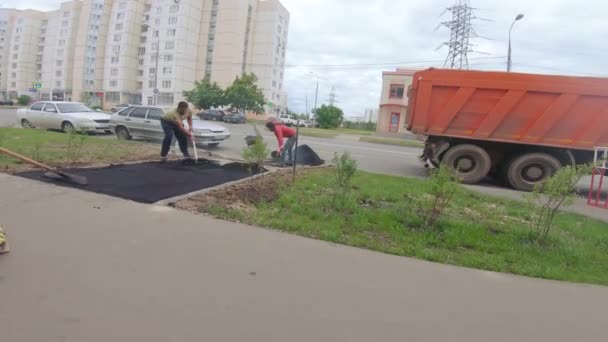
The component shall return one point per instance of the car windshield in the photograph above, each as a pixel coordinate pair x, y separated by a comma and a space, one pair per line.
73, 108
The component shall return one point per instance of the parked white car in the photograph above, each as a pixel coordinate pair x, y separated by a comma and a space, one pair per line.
288, 120
65, 116
144, 122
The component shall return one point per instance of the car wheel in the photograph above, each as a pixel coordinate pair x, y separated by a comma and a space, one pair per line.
67, 127
122, 133
470, 162
25, 123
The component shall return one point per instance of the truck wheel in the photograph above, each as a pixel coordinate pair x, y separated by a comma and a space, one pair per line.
471, 163
525, 172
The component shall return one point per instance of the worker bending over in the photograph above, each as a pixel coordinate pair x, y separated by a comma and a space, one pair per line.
285, 148
173, 125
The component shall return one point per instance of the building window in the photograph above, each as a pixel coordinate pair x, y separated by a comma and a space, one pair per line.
114, 72
58, 73
140, 72
61, 43
171, 32
155, 34
152, 71
142, 51
169, 45
66, 14
13, 85
15, 56
172, 20
117, 37
141, 61
167, 70
157, 22
59, 53
174, 8
16, 47
153, 58
396, 91
168, 58
166, 84
113, 83
151, 84
114, 60
58, 84
118, 27
65, 23
143, 39
120, 16
154, 46
122, 5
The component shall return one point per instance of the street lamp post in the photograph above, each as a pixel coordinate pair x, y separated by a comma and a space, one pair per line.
510, 61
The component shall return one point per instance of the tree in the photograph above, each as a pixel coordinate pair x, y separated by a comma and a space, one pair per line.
245, 95
206, 95
24, 100
329, 116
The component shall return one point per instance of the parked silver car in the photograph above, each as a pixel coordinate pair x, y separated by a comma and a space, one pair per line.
144, 122
65, 116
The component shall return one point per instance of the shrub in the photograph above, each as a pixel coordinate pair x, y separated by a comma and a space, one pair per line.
444, 186
257, 152
548, 197
24, 100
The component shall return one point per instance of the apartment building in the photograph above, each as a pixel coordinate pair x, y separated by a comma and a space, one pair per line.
89, 51
7, 16
143, 51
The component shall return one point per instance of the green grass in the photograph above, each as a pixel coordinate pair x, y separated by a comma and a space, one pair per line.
52, 148
385, 214
395, 142
318, 133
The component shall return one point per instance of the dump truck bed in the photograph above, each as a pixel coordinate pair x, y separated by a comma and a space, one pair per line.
557, 111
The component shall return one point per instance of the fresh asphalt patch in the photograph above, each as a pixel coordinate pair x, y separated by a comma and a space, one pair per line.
151, 182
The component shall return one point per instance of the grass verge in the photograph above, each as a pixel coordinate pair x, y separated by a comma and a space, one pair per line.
384, 213
318, 133
395, 142
52, 148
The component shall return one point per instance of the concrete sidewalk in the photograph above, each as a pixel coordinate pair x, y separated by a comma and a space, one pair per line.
92, 268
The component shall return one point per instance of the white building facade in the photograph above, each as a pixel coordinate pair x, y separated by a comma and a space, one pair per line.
143, 51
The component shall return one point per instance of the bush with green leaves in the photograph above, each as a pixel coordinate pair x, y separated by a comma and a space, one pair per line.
329, 116
548, 197
345, 169
75, 143
23, 100
257, 152
444, 185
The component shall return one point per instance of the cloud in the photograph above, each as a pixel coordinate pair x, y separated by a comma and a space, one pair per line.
556, 36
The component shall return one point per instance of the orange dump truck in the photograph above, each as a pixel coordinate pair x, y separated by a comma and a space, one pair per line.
521, 127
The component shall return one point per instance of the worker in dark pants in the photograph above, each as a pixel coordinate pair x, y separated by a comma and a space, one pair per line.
173, 125
285, 148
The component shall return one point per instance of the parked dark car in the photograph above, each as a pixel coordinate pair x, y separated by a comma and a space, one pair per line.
212, 114
236, 118
7, 103
119, 108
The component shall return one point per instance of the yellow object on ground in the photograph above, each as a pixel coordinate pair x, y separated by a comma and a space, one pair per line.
3, 243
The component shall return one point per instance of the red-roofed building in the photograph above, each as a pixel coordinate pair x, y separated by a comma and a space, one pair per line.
394, 101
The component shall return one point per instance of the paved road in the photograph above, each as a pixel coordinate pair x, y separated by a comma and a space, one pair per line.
390, 160
92, 268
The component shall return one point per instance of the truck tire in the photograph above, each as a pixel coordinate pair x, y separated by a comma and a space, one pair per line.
470, 162
526, 171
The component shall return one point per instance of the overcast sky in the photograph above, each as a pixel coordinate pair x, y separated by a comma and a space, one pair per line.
348, 43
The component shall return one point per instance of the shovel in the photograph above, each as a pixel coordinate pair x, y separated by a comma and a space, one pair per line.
195, 151
53, 173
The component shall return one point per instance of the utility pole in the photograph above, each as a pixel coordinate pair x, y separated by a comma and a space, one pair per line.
316, 96
156, 91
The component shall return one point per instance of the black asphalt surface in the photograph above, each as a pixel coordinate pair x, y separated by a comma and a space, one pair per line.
151, 182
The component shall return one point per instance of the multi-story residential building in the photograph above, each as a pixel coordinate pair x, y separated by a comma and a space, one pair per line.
61, 28
7, 16
269, 51
145, 51
89, 51
24, 57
